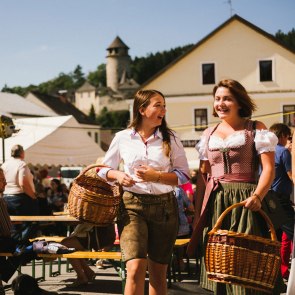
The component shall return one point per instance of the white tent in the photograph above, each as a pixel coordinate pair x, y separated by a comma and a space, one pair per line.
53, 141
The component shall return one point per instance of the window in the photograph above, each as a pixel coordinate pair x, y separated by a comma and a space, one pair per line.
208, 73
265, 70
201, 120
289, 115
96, 137
189, 142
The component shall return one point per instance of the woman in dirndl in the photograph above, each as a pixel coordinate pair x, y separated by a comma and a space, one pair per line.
154, 162
227, 174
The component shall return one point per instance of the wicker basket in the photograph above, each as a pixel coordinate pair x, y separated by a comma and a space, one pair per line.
241, 259
92, 199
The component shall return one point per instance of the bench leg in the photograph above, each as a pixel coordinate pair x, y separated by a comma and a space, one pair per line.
59, 265
169, 275
33, 268
43, 269
123, 275
50, 268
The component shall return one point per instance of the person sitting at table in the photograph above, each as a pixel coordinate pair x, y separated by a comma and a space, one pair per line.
87, 236
56, 200
55, 195
19, 192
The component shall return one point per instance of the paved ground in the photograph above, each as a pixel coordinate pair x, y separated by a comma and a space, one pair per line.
107, 283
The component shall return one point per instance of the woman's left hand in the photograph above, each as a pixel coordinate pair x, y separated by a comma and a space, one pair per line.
146, 173
253, 203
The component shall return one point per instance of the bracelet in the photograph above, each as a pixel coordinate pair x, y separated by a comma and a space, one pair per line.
256, 195
159, 177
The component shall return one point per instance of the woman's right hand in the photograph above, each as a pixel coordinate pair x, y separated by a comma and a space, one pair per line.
124, 179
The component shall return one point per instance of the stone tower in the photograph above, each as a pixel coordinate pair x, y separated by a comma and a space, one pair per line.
118, 63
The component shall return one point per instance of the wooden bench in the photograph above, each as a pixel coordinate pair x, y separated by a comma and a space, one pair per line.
113, 256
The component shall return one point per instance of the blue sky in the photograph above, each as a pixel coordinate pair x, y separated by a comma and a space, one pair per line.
42, 38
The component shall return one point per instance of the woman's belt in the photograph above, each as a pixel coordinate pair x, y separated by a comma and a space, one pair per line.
160, 197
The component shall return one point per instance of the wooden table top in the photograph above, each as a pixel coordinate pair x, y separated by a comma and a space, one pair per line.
65, 218
86, 255
60, 213
181, 242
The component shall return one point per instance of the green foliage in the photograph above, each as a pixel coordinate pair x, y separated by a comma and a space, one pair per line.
92, 114
68, 82
113, 119
287, 39
18, 90
62, 82
99, 77
78, 77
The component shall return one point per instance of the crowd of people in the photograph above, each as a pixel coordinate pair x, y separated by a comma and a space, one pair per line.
163, 200
26, 194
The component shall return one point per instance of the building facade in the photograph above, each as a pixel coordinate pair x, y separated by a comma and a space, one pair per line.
238, 50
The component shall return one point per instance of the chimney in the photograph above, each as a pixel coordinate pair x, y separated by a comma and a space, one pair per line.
62, 94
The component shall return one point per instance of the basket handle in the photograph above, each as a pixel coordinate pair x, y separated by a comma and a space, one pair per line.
88, 168
230, 208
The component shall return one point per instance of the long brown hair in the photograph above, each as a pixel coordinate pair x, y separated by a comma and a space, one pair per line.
142, 99
247, 105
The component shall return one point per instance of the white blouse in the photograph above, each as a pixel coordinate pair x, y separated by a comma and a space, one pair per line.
265, 141
128, 148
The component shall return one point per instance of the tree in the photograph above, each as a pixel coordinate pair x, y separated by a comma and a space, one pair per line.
287, 39
78, 77
62, 82
99, 77
113, 119
18, 90
92, 114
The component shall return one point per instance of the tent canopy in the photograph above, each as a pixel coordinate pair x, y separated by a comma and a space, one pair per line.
53, 141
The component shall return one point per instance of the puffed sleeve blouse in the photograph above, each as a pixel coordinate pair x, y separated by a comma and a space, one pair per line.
265, 141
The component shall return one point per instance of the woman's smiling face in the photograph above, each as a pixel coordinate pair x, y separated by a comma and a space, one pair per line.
225, 105
155, 111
